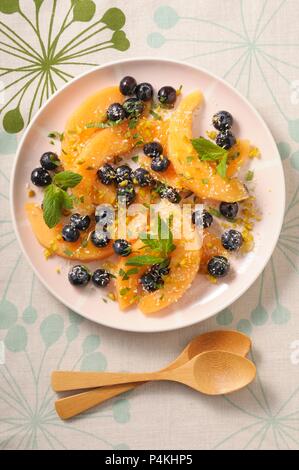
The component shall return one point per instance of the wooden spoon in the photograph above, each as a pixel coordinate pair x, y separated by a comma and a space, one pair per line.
231, 341
211, 372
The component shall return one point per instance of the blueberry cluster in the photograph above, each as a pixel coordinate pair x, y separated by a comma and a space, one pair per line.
78, 223
154, 150
152, 279
231, 240
79, 275
49, 162
223, 121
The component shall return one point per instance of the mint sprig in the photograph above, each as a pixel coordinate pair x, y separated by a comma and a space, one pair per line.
56, 197
144, 260
208, 151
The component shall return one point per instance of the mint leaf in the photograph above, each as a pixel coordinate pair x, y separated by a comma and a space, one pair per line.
67, 179
222, 165
52, 205
208, 151
67, 201
144, 260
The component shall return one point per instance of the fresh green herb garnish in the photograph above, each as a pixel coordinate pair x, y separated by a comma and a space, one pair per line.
68, 252
190, 159
126, 274
208, 151
56, 135
249, 175
56, 197
205, 181
84, 242
144, 260
214, 212
103, 125
135, 158
179, 90
124, 290
133, 123
155, 115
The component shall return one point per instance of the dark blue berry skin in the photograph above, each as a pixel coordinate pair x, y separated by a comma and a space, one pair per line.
133, 107
159, 270
127, 86
127, 192
202, 219
79, 276
229, 210
222, 121
123, 173
41, 177
144, 91
122, 247
116, 112
218, 266
70, 233
81, 222
99, 238
106, 174
160, 164
225, 140
49, 161
231, 240
101, 278
171, 194
153, 149
150, 282
142, 177
167, 95
104, 215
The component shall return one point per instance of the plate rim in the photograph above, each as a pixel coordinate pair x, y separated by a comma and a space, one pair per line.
12, 192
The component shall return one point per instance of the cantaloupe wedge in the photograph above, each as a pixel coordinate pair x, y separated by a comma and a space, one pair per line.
168, 177
211, 246
184, 266
199, 176
50, 238
93, 109
242, 149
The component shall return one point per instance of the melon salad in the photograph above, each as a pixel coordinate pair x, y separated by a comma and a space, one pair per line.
123, 146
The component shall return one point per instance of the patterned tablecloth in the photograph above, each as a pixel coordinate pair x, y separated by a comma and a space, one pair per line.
254, 45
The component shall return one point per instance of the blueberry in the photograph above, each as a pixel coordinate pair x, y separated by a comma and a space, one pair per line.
150, 282
101, 278
116, 112
229, 210
171, 194
231, 240
144, 91
167, 95
104, 215
153, 149
99, 238
127, 86
161, 269
70, 233
122, 247
81, 222
79, 275
142, 177
222, 121
218, 266
127, 192
225, 140
49, 161
133, 107
106, 174
160, 163
123, 173
41, 177
202, 218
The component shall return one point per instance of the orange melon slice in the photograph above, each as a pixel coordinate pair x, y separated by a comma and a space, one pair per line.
238, 156
184, 266
211, 246
93, 109
50, 238
168, 177
199, 176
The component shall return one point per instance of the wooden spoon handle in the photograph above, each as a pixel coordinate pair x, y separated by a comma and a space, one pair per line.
74, 404
63, 380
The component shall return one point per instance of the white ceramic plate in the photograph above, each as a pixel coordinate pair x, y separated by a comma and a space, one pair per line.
203, 299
